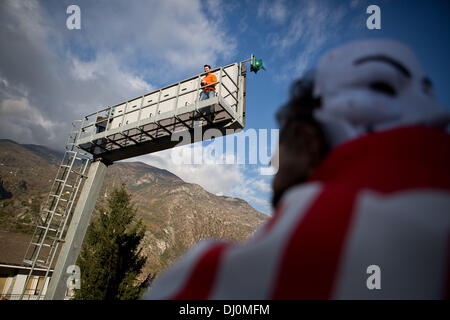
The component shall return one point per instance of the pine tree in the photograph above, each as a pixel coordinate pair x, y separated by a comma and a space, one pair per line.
110, 259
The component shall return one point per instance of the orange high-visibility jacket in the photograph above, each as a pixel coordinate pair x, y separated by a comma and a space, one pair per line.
210, 78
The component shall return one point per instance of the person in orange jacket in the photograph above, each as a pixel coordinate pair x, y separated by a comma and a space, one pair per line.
208, 92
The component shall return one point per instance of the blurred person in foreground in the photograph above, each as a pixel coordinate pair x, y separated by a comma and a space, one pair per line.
363, 184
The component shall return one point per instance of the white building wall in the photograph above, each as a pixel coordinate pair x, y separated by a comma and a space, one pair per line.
15, 284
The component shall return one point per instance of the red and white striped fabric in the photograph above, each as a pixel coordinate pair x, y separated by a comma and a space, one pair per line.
382, 199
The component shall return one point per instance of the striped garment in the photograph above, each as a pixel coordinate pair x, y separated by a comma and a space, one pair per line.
382, 199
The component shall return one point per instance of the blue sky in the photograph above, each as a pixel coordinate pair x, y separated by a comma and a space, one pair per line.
50, 75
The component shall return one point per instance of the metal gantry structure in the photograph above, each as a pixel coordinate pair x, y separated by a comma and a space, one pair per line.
146, 124
55, 215
135, 127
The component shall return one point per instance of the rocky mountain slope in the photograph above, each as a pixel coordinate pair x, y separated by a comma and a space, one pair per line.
177, 214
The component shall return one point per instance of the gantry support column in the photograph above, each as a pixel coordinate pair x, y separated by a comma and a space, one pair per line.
77, 230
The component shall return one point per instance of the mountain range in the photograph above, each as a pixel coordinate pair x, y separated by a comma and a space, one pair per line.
177, 214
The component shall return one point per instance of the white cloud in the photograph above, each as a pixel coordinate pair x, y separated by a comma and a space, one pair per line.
250, 190
4, 82
213, 174
313, 26
84, 70
275, 11
105, 66
68, 74
20, 118
21, 108
51, 76
176, 35
261, 185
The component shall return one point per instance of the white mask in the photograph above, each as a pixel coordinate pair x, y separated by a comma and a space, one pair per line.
373, 85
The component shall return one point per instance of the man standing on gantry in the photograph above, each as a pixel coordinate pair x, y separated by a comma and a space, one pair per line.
209, 91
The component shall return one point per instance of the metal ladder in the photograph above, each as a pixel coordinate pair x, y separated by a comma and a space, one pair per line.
55, 214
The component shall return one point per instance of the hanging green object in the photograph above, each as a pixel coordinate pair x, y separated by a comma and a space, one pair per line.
256, 65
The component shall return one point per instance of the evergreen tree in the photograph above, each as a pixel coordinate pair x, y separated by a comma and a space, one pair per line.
110, 259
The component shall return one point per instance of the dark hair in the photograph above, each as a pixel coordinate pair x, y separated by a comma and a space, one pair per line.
302, 135
301, 104
207, 65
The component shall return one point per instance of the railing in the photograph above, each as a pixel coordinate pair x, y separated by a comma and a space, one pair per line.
91, 123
